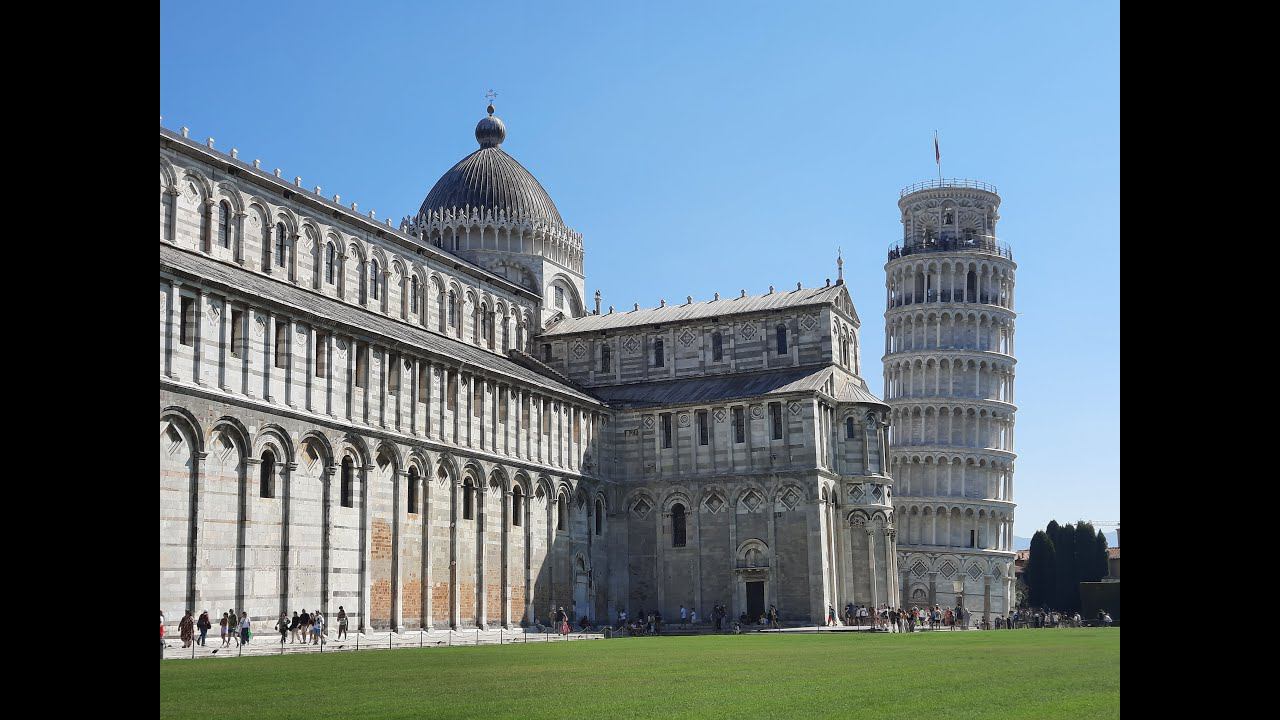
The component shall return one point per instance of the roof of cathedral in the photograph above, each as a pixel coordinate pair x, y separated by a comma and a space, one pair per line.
697, 310
490, 179
330, 309
729, 387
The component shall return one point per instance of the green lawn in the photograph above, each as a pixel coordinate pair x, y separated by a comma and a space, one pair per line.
999, 674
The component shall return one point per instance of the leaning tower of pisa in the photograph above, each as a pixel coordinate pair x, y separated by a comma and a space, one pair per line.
948, 377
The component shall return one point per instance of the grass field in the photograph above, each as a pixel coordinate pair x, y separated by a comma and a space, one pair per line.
1015, 674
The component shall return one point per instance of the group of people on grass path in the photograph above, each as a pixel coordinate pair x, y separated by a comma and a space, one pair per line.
238, 629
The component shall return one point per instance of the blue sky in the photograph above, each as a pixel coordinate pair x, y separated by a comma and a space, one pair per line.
710, 147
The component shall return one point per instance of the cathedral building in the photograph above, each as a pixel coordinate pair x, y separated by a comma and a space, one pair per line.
426, 423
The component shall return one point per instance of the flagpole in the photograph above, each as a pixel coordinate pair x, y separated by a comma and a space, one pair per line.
937, 155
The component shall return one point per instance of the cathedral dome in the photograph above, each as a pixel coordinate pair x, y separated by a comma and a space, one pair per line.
492, 180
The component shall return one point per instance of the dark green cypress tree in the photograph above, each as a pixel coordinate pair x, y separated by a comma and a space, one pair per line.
1101, 557
1065, 567
1086, 559
1041, 572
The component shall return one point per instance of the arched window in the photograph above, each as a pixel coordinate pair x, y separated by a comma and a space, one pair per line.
348, 482
330, 263
266, 245
413, 294
604, 358
468, 499
453, 309
517, 505
849, 429
659, 355
599, 517
373, 279
781, 332
562, 512
167, 203
267, 481
224, 224
281, 245
717, 346
677, 525
844, 352
484, 323
204, 224
412, 505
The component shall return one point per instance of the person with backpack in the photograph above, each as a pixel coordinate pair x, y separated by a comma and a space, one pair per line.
203, 626
283, 626
342, 623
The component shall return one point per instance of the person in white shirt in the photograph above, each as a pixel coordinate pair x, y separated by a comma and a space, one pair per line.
317, 628
693, 617
684, 615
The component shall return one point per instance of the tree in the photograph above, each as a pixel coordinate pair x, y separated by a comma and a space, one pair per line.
1101, 555
1067, 595
1041, 572
1086, 559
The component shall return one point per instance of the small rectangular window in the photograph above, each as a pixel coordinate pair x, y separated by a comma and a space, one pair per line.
422, 382
659, 354
577, 428
546, 418
666, 430
282, 343
546, 352
362, 364
739, 425
322, 355
775, 414
717, 347
502, 405
187, 321
451, 393
393, 373
524, 412
559, 298
237, 332
477, 399
702, 427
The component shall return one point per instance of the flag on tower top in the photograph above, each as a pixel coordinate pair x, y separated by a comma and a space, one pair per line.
937, 154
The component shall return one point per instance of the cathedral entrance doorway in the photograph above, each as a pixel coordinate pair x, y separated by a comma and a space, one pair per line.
755, 600
581, 603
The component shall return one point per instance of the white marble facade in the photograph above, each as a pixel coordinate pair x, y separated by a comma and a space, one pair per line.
426, 424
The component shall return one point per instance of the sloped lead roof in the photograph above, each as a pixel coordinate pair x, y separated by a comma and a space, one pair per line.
698, 310
702, 390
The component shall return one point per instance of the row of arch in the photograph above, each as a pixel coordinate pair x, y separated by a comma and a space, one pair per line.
304, 485
951, 475
949, 425
948, 566
216, 219
988, 332
949, 377
954, 526
912, 282
459, 236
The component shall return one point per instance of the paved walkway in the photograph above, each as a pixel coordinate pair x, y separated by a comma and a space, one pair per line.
269, 644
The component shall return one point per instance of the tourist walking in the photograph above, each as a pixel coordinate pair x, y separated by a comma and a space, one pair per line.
203, 626
317, 628
293, 627
222, 630
693, 617
684, 617
162, 645
233, 626
342, 623
773, 617
186, 627
245, 633
283, 626
960, 616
